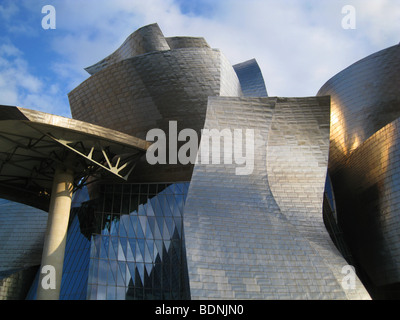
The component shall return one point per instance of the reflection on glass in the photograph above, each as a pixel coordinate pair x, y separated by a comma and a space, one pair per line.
140, 254
126, 244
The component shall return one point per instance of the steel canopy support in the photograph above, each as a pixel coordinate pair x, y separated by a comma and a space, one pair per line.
113, 169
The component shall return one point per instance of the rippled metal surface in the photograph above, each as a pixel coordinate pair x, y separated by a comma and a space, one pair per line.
261, 236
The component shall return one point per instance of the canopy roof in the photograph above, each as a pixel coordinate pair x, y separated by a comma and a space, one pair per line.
33, 144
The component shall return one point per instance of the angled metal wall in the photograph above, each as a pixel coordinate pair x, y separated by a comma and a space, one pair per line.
251, 79
243, 239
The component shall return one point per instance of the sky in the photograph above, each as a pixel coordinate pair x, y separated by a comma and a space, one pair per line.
298, 44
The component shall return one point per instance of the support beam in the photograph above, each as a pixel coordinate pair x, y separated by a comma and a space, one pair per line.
56, 235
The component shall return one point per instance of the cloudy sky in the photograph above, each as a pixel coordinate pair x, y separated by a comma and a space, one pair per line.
299, 44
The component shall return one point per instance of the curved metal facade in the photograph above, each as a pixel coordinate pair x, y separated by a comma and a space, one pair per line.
261, 236
364, 98
147, 91
251, 79
136, 93
144, 40
363, 165
371, 197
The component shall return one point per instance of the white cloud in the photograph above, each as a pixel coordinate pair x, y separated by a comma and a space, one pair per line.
298, 44
9, 50
18, 87
8, 10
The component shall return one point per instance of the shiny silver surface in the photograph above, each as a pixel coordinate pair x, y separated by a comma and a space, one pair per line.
144, 40
369, 201
251, 79
363, 165
261, 236
146, 91
364, 97
139, 92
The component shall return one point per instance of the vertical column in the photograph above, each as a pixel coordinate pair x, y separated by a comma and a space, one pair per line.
56, 235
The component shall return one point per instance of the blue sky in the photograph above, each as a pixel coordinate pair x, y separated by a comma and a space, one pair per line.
299, 44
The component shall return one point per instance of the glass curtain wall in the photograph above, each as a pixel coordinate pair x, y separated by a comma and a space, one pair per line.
139, 253
127, 244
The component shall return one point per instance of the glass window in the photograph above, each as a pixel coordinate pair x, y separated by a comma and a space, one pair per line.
141, 252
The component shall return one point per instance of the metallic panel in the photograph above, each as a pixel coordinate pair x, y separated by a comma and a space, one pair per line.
144, 40
369, 202
363, 164
22, 231
240, 243
297, 160
16, 285
364, 97
21, 235
147, 91
186, 42
251, 79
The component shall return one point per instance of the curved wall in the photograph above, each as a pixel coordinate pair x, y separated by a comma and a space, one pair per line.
297, 160
146, 92
251, 79
369, 200
243, 239
364, 98
144, 40
186, 42
363, 164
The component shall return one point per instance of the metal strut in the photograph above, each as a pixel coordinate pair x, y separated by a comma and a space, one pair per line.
114, 169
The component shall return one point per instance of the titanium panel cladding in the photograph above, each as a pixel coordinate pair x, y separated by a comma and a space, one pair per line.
242, 240
251, 79
364, 98
134, 93
369, 202
143, 40
362, 163
22, 231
